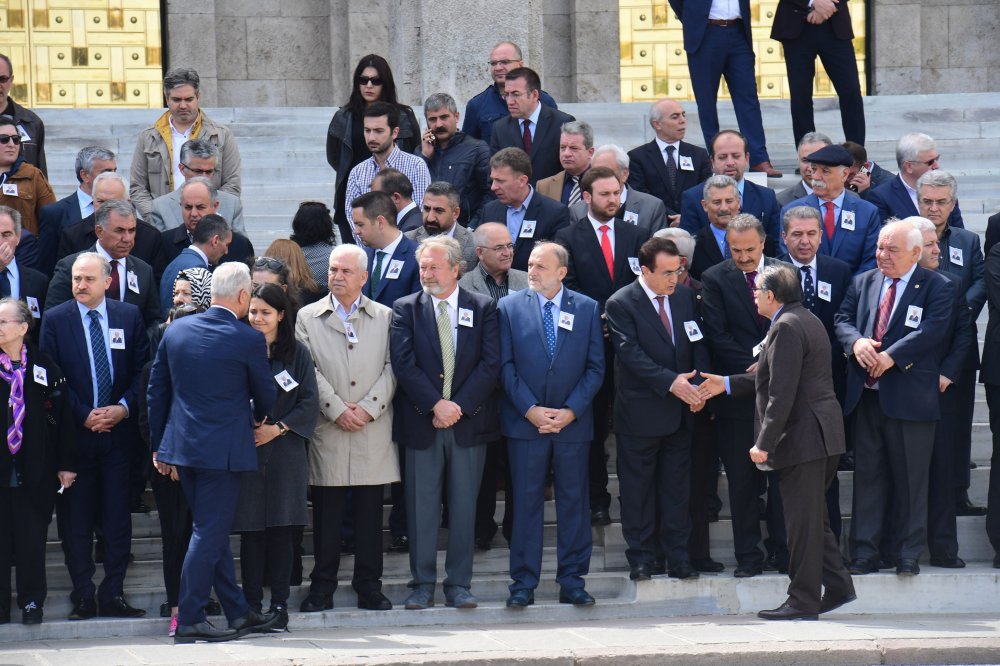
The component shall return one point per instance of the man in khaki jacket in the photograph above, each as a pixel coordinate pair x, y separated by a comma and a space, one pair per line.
156, 162
352, 449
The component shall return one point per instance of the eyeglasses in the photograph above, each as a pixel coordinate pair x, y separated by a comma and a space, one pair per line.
935, 203
365, 80
7, 138
5, 79
494, 63
928, 163
200, 172
270, 263
509, 247
677, 274
517, 94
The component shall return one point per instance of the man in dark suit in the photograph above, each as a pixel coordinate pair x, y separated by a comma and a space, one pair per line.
657, 334
198, 197
892, 325
638, 208
90, 163
992, 233
730, 155
809, 144
989, 375
850, 224
210, 241
864, 174
576, 147
734, 330
440, 211
667, 165
552, 364
800, 434
131, 277
603, 258
962, 258
81, 235
531, 125
528, 215
209, 386
19, 281
101, 346
916, 155
820, 28
445, 350
720, 203
395, 183
719, 42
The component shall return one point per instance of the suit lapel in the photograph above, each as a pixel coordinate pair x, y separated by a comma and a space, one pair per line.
904, 299
425, 309
533, 302
588, 241
711, 246
903, 199
658, 161
529, 214
647, 311
739, 279
569, 307
871, 311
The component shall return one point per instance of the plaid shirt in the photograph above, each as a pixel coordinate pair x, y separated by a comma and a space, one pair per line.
360, 180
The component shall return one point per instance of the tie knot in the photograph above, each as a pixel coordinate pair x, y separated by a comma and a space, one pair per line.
804, 269
659, 299
604, 228
549, 305
828, 205
670, 150
93, 314
443, 307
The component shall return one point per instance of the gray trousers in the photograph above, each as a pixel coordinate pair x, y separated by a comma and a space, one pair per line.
457, 470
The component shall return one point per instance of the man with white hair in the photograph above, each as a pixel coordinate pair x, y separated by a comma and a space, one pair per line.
893, 325
638, 208
916, 155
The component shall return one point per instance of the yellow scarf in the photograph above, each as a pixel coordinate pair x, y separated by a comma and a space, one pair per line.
162, 126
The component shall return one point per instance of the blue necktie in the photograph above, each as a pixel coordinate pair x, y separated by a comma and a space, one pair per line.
808, 289
102, 369
550, 329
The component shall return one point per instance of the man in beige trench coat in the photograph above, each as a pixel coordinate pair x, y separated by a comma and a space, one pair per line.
352, 449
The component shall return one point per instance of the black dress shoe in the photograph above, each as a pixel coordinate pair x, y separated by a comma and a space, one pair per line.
316, 602
347, 547
375, 601
860, 566
399, 544
786, 612
140, 507
640, 571
484, 544
659, 566
165, 609
748, 570
948, 562
682, 571
118, 607
967, 508
83, 610
213, 607
202, 631
576, 596
280, 611
831, 602
708, 565
254, 622
907, 567
772, 563
4, 615
521, 599
846, 463
600, 516
31, 614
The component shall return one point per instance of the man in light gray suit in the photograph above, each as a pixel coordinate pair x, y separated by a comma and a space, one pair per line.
809, 144
198, 158
440, 209
637, 207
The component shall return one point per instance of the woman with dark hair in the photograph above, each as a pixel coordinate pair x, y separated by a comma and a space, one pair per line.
299, 275
345, 141
273, 499
312, 229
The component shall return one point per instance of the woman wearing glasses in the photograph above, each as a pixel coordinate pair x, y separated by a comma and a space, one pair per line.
24, 187
345, 141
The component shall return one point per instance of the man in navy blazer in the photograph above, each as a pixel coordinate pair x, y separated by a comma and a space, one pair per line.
101, 346
209, 386
529, 118
850, 224
445, 351
689, 165
658, 338
892, 325
916, 155
210, 242
529, 216
552, 356
22, 282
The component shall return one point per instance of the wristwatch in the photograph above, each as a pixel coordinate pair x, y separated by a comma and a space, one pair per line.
282, 428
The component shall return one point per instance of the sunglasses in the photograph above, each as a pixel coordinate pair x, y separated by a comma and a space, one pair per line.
7, 138
5, 79
270, 263
365, 80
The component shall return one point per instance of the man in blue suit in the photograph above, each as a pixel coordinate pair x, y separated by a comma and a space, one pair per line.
552, 356
445, 351
209, 386
850, 224
210, 242
719, 42
101, 346
893, 326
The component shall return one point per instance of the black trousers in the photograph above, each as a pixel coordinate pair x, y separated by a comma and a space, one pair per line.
704, 483
397, 516
25, 514
328, 513
175, 531
735, 437
952, 447
603, 401
815, 561
961, 410
496, 468
993, 502
271, 551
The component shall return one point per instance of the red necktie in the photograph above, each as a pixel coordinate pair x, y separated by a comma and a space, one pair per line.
828, 221
664, 317
882, 322
609, 257
115, 290
527, 136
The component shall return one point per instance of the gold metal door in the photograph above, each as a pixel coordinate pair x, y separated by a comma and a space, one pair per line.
84, 53
654, 64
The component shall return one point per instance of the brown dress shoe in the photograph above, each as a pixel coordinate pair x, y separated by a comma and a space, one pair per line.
766, 168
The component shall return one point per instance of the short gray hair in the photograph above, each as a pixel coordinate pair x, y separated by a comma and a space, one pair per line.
580, 128
229, 279
442, 242
479, 235
746, 222
717, 182
93, 256
800, 213
203, 149
181, 76
910, 145
621, 157
121, 206
442, 188
87, 156
562, 254
938, 178
814, 137
921, 224
440, 101
682, 238
15, 217
23, 312
350, 249
782, 280
913, 237
213, 190
111, 175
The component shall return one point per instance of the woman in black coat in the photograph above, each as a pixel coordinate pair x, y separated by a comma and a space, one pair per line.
36, 462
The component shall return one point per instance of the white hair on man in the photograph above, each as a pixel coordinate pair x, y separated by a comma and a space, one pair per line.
229, 279
349, 249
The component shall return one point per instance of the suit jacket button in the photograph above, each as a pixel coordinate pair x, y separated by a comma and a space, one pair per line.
327, 404
441, 376
353, 383
350, 346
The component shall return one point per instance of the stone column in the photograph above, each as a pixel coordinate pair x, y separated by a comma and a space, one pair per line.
191, 43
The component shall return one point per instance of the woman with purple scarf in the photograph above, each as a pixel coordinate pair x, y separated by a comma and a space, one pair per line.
36, 462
